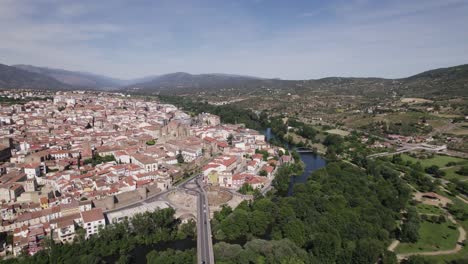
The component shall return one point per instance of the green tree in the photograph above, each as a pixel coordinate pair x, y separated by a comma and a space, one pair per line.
180, 158
259, 222
294, 230
151, 142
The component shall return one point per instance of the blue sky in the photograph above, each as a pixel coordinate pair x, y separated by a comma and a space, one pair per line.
284, 39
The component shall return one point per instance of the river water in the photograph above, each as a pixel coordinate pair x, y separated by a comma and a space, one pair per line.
312, 162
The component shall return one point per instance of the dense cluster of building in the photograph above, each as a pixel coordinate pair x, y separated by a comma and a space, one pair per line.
66, 161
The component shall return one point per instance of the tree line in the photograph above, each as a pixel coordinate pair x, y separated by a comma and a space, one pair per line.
116, 242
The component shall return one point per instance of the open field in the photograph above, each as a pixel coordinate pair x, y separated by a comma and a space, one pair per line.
429, 209
447, 115
415, 100
451, 173
411, 117
460, 129
462, 255
433, 237
338, 132
439, 160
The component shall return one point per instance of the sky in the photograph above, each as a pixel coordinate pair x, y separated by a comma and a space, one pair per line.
303, 39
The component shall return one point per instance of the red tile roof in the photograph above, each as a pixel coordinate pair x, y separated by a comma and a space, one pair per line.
92, 215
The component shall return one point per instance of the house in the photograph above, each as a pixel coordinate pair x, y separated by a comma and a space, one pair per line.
252, 165
66, 231
269, 170
225, 179
32, 170
59, 154
286, 159
148, 163
93, 220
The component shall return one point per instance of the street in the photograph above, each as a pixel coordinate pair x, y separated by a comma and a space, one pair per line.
204, 240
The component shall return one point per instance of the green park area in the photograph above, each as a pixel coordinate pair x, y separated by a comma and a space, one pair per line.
429, 209
433, 237
439, 160
454, 173
460, 211
338, 132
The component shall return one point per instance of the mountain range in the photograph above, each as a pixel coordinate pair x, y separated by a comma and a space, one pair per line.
450, 81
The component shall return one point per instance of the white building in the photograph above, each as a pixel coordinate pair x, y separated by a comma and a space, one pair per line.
93, 220
66, 231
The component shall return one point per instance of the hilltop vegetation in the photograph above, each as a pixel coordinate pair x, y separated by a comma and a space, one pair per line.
439, 82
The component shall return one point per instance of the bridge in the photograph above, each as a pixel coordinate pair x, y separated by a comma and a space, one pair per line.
304, 150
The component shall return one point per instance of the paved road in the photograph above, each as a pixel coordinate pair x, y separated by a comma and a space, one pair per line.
204, 240
205, 243
150, 199
408, 147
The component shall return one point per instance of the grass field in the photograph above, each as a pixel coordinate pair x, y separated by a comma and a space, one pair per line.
415, 100
462, 255
450, 116
429, 209
338, 132
461, 129
439, 160
433, 237
451, 173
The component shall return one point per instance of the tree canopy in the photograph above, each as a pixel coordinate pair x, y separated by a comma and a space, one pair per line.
342, 214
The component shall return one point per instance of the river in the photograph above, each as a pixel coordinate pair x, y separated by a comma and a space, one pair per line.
312, 162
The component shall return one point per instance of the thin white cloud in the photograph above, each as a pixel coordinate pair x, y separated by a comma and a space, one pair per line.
394, 39
71, 10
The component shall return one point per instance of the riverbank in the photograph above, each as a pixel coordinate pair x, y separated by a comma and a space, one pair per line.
311, 161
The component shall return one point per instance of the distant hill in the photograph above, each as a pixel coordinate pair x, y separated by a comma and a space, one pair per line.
451, 81
74, 78
443, 81
85, 80
15, 78
182, 80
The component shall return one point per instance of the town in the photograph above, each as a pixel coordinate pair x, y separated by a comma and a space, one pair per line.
74, 162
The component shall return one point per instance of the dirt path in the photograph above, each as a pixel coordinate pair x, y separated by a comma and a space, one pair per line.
462, 199
393, 245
